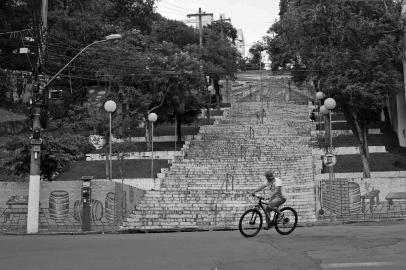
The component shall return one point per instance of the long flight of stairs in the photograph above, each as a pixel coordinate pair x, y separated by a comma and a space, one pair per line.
209, 187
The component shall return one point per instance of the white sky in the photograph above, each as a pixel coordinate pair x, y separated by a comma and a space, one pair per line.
253, 17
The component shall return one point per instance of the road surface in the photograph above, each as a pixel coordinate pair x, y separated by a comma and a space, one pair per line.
373, 246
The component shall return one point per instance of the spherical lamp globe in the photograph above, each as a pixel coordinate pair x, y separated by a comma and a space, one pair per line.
330, 103
152, 117
324, 110
319, 95
110, 106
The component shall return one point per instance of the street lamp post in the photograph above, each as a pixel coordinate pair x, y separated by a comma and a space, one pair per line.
152, 117
36, 142
107, 38
319, 97
110, 106
329, 104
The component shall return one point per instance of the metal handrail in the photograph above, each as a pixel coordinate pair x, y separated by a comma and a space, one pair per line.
245, 151
252, 133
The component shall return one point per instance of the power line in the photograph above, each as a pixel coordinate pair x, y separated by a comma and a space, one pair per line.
173, 9
176, 6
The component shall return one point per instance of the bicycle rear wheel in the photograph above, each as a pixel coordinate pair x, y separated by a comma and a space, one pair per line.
287, 223
250, 223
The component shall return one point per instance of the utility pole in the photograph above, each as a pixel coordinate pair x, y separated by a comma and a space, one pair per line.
200, 15
36, 141
221, 20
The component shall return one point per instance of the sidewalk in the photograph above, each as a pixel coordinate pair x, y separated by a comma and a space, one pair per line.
76, 229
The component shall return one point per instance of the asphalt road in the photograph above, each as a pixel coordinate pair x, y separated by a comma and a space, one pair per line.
373, 246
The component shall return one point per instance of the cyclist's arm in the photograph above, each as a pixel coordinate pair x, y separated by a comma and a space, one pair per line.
261, 187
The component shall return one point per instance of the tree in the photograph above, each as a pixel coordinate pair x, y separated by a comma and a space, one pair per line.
57, 154
225, 30
175, 32
350, 50
256, 52
220, 57
180, 98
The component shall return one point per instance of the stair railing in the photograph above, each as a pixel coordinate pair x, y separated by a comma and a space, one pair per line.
252, 133
243, 152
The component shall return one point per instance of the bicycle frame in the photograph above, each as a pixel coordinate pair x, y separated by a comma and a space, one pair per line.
262, 205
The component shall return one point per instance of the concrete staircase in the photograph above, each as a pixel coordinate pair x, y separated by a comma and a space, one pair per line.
209, 186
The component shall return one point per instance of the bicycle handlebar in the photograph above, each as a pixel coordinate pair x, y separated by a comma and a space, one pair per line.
259, 197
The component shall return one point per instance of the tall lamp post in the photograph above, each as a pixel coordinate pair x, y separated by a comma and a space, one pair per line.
110, 106
330, 160
330, 104
152, 117
36, 142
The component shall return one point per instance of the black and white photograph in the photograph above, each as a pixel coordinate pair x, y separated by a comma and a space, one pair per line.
202, 134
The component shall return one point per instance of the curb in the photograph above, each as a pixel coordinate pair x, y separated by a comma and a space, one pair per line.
380, 222
52, 233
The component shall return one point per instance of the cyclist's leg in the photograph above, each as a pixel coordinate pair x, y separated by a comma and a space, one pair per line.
274, 204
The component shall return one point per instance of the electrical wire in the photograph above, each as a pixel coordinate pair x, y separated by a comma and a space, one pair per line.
176, 6
28, 57
13, 34
165, 8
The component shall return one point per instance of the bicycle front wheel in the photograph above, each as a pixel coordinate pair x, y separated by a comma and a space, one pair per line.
250, 223
287, 221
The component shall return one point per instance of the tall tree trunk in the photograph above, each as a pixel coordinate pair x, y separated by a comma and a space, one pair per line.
363, 147
360, 130
179, 128
387, 118
148, 135
217, 89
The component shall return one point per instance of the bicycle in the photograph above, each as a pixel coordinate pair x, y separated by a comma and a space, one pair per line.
251, 220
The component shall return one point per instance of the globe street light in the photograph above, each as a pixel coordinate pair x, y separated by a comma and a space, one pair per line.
152, 117
319, 95
110, 106
36, 142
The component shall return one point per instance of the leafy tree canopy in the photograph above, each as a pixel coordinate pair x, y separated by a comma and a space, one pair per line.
350, 50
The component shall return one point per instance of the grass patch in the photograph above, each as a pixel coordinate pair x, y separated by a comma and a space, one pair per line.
6, 116
166, 130
142, 147
388, 139
346, 126
334, 117
136, 168
380, 162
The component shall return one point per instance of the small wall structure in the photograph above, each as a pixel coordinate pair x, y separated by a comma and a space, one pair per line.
354, 198
61, 205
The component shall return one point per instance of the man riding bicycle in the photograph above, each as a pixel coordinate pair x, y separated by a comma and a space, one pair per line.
277, 196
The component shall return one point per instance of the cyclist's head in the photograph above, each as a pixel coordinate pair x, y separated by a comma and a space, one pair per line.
269, 175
